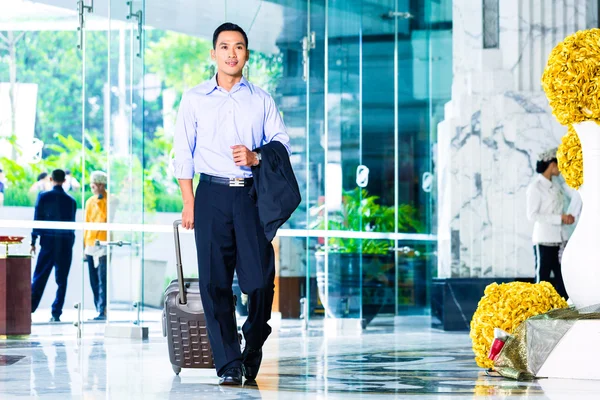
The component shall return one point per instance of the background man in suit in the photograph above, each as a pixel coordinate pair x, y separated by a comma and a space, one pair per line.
56, 244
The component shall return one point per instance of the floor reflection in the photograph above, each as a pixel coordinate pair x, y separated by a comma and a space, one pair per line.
382, 363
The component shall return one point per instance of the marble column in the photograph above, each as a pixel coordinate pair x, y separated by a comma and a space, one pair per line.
495, 125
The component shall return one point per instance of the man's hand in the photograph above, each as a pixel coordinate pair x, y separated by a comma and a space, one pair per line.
187, 194
187, 216
244, 157
32, 251
568, 219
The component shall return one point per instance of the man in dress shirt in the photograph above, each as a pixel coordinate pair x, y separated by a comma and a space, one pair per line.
219, 124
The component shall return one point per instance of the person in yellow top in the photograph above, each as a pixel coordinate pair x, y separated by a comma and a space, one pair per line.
95, 241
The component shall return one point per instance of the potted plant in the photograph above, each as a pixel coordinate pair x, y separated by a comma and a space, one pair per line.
360, 273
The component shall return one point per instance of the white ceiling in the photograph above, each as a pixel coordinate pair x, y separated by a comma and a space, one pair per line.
195, 17
263, 20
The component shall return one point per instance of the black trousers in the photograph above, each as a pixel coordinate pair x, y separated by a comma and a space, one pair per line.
547, 261
229, 237
56, 252
98, 282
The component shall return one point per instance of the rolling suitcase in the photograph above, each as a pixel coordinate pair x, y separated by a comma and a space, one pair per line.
183, 320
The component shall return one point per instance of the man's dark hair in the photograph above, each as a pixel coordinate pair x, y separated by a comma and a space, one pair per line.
68, 171
542, 166
58, 176
42, 176
227, 27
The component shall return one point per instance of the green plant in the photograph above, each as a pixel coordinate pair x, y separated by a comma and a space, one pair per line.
360, 212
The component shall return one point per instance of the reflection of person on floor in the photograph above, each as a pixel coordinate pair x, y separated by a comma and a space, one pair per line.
95, 251
545, 204
56, 244
49, 364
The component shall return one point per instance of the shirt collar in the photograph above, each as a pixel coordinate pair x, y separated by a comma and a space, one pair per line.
58, 187
545, 182
212, 84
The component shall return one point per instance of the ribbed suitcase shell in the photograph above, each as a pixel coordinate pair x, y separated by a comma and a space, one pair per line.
184, 325
183, 320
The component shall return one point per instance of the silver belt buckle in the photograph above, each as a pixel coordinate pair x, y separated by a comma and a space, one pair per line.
236, 182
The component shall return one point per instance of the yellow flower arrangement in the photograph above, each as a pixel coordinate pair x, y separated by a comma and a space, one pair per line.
571, 79
570, 159
506, 306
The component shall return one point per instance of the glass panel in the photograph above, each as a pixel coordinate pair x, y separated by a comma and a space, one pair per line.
342, 259
315, 152
40, 130
125, 168
159, 267
93, 156
423, 79
416, 265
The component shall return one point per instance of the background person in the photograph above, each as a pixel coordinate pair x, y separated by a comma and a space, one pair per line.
95, 211
56, 244
545, 203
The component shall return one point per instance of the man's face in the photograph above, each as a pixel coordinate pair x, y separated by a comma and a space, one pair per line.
231, 53
97, 188
555, 170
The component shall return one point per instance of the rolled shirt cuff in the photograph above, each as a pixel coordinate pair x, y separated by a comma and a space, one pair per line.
184, 170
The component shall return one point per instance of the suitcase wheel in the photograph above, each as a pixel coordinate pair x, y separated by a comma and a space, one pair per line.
176, 369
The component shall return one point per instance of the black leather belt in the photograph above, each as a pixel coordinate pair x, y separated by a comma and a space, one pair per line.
231, 182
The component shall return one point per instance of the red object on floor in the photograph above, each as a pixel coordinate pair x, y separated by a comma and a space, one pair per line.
15, 295
497, 345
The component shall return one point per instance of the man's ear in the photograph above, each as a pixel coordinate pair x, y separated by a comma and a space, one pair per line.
247, 55
213, 54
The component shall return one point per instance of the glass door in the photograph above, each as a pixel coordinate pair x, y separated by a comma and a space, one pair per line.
125, 163
111, 157
40, 131
95, 44
313, 50
340, 265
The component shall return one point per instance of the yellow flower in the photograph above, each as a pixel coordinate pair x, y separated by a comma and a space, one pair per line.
506, 306
570, 159
571, 78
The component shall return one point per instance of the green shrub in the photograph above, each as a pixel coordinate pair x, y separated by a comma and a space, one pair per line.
19, 196
169, 202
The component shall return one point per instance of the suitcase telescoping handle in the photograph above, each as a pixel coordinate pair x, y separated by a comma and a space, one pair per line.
182, 294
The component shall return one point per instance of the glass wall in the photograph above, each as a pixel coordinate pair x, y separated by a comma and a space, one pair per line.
361, 85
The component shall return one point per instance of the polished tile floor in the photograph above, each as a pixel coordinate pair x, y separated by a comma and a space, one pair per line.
404, 359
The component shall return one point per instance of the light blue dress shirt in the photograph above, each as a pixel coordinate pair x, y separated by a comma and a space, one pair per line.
211, 120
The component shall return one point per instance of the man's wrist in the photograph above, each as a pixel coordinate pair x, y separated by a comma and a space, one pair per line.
257, 158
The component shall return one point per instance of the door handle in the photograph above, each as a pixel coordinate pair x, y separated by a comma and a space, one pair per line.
119, 243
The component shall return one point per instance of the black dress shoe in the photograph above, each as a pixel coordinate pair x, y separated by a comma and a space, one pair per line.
232, 376
251, 359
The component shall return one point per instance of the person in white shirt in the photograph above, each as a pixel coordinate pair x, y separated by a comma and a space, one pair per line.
71, 183
545, 203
